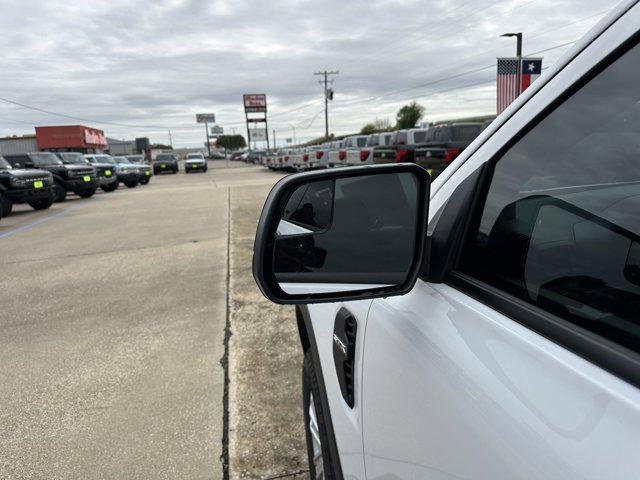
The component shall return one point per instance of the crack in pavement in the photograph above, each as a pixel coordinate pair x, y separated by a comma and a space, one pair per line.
105, 252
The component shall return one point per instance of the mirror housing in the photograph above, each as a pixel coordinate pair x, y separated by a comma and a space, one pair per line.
343, 234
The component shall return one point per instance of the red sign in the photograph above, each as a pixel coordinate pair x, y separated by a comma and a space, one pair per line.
255, 102
70, 136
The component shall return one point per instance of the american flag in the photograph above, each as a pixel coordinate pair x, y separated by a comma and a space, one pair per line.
507, 82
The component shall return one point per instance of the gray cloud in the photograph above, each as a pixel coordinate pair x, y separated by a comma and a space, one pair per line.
157, 63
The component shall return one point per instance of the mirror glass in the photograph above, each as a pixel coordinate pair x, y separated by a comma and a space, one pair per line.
346, 234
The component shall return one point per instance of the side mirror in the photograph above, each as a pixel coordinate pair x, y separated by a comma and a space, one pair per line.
342, 234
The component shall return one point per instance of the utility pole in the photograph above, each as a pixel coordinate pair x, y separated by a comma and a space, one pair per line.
328, 95
518, 36
274, 139
170, 140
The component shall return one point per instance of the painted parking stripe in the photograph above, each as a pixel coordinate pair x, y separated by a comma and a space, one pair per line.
39, 221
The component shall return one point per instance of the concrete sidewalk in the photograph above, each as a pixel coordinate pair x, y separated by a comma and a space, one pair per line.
266, 430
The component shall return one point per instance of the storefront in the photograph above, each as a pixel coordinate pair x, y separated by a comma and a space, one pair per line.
71, 138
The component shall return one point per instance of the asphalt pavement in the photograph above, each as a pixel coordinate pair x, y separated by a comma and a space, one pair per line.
112, 321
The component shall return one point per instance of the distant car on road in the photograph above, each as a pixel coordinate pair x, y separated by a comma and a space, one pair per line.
79, 179
194, 162
443, 144
165, 162
105, 172
31, 186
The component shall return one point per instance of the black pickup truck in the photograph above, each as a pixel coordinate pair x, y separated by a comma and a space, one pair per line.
34, 187
78, 179
443, 144
105, 172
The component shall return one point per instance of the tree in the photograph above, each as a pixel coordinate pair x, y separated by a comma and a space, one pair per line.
231, 142
160, 146
409, 115
368, 129
383, 125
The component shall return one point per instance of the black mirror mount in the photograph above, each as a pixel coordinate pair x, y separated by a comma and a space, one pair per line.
356, 233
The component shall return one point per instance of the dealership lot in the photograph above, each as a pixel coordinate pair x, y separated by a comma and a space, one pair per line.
112, 329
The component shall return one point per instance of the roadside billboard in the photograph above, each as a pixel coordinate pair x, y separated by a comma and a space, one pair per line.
258, 134
255, 102
205, 117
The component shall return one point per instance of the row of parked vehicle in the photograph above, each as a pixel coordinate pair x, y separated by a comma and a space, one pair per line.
43, 178
433, 148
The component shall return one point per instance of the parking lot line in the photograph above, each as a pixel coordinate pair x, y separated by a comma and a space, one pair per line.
39, 221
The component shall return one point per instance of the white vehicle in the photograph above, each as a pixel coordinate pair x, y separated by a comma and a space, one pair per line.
322, 155
376, 142
308, 159
334, 154
351, 148
496, 335
195, 161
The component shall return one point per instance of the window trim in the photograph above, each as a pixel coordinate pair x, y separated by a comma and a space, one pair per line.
616, 359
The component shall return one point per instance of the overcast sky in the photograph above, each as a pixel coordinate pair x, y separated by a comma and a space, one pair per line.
151, 65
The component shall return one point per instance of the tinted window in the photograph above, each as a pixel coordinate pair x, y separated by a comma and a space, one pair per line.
441, 134
362, 141
4, 165
44, 159
164, 157
373, 140
465, 132
419, 136
560, 226
401, 138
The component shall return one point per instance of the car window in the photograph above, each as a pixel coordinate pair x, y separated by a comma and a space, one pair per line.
465, 132
560, 224
373, 140
401, 138
440, 135
362, 141
419, 136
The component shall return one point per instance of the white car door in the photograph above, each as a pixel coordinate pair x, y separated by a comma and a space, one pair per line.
524, 363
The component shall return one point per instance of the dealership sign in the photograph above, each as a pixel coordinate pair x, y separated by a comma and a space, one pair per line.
258, 134
206, 117
255, 102
94, 137
217, 130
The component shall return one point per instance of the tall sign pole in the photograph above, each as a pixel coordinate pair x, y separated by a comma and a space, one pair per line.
206, 118
328, 95
256, 103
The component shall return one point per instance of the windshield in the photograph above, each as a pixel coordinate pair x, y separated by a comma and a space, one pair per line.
103, 159
164, 157
40, 159
72, 158
197, 156
4, 165
135, 158
122, 160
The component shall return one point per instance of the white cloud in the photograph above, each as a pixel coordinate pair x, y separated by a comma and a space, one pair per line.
157, 63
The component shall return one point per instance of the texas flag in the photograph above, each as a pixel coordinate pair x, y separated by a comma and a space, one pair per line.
531, 69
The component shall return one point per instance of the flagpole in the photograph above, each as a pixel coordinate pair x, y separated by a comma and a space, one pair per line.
519, 56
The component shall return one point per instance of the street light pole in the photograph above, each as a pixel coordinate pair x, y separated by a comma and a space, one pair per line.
518, 36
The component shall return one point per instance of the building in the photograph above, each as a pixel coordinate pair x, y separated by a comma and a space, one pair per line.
74, 138
121, 147
15, 144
